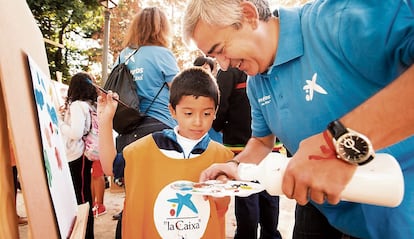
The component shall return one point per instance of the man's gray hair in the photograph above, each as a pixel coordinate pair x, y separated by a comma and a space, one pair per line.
220, 13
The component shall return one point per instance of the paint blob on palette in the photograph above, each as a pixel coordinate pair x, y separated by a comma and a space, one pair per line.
217, 188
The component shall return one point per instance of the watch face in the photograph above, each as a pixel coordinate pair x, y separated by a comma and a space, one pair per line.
353, 148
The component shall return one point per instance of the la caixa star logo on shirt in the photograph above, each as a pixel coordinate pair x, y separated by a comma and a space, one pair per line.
180, 215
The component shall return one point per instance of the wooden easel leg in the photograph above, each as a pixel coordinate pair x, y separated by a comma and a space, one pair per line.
8, 216
79, 228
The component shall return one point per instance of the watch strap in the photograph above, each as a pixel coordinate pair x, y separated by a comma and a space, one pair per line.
336, 128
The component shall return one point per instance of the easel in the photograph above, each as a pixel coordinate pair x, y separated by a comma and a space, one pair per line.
18, 124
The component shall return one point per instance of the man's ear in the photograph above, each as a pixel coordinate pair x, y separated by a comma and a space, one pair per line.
250, 13
172, 111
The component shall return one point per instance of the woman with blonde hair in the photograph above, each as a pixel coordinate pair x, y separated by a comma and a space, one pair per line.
153, 66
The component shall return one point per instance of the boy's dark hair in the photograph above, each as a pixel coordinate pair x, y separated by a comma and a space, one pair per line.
80, 88
196, 82
201, 60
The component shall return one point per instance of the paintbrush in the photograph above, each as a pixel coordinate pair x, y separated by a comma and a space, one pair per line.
106, 92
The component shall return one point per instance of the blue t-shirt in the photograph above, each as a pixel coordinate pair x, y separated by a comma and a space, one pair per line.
331, 57
152, 66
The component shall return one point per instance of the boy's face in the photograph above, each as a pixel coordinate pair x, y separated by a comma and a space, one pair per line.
194, 116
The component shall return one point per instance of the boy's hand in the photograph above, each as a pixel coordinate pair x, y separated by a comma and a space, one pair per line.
107, 106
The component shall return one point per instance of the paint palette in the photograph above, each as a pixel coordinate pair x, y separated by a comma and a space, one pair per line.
217, 188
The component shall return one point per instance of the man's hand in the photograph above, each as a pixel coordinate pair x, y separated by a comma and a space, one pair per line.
315, 172
218, 169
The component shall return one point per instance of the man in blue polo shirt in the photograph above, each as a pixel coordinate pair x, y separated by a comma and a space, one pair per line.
318, 71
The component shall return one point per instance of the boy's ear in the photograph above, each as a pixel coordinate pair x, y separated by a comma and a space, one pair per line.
172, 111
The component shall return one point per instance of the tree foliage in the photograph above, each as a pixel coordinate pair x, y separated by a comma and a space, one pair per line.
121, 17
78, 26
123, 14
67, 23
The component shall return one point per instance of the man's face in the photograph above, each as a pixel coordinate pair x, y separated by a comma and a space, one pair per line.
231, 47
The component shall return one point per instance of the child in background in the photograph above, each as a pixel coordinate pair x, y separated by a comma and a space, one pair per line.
208, 64
205, 62
155, 161
98, 189
75, 122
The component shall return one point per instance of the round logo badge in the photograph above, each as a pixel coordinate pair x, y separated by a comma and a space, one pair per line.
180, 215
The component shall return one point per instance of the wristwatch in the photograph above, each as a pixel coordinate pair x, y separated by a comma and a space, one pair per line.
350, 146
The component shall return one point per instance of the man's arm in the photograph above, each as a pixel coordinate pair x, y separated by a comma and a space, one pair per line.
386, 118
256, 149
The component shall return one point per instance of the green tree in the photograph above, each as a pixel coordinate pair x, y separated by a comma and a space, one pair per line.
68, 23
77, 25
121, 17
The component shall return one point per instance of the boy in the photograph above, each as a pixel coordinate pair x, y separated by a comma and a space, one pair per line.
155, 161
